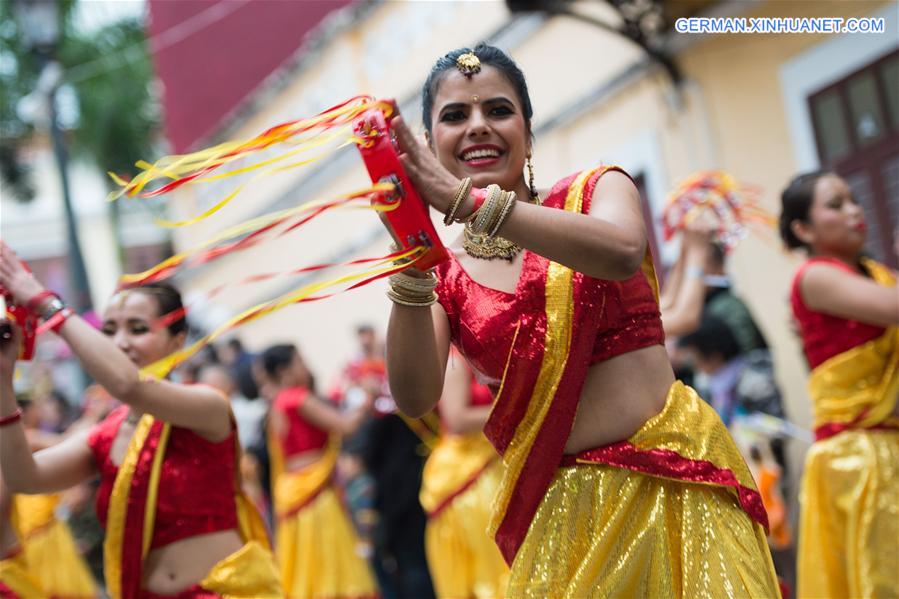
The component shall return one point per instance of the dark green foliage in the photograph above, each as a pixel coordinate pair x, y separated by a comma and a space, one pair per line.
111, 73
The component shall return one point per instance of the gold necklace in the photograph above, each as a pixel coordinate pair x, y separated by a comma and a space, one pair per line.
484, 247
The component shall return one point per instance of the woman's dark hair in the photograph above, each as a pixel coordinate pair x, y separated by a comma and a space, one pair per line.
277, 357
168, 300
796, 201
487, 55
713, 338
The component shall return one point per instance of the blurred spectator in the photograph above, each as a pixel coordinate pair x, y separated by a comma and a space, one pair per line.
723, 303
381, 469
249, 414
738, 382
240, 363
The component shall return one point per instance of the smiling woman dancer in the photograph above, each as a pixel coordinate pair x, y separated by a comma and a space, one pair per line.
619, 480
176, 524
847, 308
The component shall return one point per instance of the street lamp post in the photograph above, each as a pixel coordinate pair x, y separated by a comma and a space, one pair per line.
39, 20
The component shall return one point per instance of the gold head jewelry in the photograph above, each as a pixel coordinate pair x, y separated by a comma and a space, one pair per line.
468, 64
475, 99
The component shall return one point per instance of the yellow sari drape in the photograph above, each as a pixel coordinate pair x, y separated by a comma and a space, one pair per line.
459, 482
249, 573
49, 550
16, 582
315, 542
849, 522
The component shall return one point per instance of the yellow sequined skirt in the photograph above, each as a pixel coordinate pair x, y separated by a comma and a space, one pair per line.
49, 549
464, 561
16, 582
849, 526
603, 531
316, 551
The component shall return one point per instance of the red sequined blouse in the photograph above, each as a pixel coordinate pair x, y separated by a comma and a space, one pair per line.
301, 434
483, 320
823, 335
196, 485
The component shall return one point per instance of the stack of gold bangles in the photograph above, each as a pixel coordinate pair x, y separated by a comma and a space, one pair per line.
488, 217
407, 290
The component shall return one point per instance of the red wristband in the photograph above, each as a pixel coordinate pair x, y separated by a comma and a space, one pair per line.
11, 418
34, 303
55, 322
478, 195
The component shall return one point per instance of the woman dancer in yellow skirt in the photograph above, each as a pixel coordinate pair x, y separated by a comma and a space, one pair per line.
619, 481
169, 496
459, 481
315, 543
847, 308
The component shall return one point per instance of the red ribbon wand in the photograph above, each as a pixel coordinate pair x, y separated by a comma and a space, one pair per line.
409, 224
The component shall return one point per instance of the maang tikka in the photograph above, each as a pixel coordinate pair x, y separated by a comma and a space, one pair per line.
468, 64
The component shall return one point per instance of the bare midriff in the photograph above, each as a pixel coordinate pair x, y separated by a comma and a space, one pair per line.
619, 395
182, 564
298, 461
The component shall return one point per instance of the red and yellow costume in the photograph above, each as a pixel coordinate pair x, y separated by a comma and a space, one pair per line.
172, 485
850, 487
48, 550
459, 482
314, 539
671, 511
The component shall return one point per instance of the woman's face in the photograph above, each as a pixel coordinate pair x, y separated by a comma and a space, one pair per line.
836, 223
129, 323
479, 128
295, 374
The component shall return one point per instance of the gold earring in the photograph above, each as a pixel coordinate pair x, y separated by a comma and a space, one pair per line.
533, 188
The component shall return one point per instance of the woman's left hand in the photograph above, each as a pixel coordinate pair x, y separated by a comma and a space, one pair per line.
436, 185
15, 278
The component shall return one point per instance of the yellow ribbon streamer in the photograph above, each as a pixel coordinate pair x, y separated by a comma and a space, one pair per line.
261, 222
161, 368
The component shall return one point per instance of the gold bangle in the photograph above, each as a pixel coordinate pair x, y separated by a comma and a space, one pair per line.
504, 214
461, 193
485, 213
495, 210
412, 291
414, 303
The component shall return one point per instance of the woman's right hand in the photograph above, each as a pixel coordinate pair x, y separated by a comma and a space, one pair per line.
700, 232
15, 278
434, 183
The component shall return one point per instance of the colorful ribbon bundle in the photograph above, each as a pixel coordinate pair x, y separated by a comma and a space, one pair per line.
735, 207
360, 120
